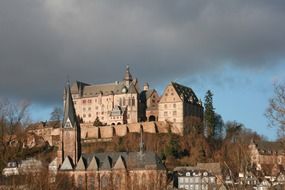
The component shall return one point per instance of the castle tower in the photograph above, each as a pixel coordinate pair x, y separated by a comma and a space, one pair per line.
128, 77
70, 131
146, 86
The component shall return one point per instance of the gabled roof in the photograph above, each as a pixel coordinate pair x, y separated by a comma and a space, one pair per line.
93, 165
107, 163
185, 93
67, 164
131, 160
69, 111
81, 165
120, 164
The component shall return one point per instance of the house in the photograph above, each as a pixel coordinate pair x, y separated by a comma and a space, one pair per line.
196, 180
264, 185
265, 153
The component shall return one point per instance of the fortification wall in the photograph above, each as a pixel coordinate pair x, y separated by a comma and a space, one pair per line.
134, 128
121, 130
149, 127
92, 133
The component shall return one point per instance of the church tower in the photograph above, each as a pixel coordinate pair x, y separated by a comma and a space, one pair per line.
70, 131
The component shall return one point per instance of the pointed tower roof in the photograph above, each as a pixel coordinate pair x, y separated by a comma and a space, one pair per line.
67, 164
107, 164
69, 111
120, 164
128, 76
81, 165
93, 165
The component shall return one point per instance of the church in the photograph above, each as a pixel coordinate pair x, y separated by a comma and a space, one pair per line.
106, 170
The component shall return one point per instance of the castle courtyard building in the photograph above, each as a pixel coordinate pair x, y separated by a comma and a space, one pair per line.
178, 105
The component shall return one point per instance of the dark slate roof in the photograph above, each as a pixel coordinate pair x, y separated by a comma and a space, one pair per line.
270, 147
104, 89
185, 93
132, 160
69, 111
196, 172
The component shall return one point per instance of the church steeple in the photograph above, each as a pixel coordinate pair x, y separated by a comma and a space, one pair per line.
70, 131
69, 119
128, 77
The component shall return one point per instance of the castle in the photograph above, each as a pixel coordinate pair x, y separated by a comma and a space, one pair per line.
113, 170
122, 102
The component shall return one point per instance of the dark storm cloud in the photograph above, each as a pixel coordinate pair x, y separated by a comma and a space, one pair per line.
43, 41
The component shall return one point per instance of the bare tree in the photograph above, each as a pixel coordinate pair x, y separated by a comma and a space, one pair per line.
14, 118
56, 116
276, 109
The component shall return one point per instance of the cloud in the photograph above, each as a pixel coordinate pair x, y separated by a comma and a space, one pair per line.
44, 41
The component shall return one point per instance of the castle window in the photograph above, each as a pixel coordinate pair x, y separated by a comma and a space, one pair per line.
84, 101
84, 109
165, 106
84, 115
166, 94
89, 101
124, 101
89, 115
174, 105
165, 113
174, 113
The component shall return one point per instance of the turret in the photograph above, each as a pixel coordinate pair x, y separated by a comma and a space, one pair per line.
128, 77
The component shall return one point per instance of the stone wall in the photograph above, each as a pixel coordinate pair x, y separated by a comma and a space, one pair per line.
89, 133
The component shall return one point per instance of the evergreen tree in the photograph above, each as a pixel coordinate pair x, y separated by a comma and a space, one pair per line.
97, 122
209, 115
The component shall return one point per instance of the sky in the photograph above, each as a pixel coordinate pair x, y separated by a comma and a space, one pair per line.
234, 48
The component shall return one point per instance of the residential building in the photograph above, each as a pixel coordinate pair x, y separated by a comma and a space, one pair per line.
264, 155
196, 180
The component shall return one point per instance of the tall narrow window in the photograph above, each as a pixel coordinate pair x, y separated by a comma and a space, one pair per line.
133, 101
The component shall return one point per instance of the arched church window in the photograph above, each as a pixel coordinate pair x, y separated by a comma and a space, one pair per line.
133, 101
105, 182
80, 182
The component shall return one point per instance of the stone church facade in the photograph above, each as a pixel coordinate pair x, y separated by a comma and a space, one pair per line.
106, 170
